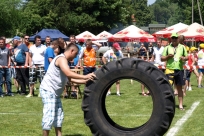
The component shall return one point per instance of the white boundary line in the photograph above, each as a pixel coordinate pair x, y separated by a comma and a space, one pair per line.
179, 123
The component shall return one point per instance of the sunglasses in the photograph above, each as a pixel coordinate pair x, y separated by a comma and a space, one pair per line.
26, 38
174, 37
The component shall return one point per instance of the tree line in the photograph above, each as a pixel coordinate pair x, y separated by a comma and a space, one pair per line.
20, 17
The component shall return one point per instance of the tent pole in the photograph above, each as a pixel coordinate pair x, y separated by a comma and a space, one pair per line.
192, 11
192, 17
201, 20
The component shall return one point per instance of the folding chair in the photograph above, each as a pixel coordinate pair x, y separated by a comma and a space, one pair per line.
68, 87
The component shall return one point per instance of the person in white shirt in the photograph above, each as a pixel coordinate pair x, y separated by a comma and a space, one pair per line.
37, 52
111, 55
200, 63
157, 53
156, 59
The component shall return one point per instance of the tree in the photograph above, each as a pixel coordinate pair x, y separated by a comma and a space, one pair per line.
73, 16
37, 14
161, 11
10, 17
76, 16
184, 13
142, 12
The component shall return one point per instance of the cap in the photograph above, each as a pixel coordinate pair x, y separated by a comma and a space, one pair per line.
17, 38
202, 45
193, 48
174, 35
187, 48
116, 46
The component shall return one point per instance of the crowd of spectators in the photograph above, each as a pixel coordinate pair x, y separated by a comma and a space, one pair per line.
49, 62
33, 61
38, 57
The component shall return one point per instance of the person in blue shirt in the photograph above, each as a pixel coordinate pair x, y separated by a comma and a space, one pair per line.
21, 58
74, 63
50, 53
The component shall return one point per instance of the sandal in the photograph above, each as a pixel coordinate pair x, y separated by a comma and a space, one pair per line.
148, 93
144, 94
181, 109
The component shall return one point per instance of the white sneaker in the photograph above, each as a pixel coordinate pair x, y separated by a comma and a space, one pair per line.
29, 95
108, 93
189, 89
118, 94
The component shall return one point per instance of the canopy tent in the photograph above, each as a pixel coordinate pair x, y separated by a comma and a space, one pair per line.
85, 35
132, 34
53, 33
166, 33
195, 32
103, 36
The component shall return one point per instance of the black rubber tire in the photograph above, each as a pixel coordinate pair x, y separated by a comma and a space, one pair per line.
93, 105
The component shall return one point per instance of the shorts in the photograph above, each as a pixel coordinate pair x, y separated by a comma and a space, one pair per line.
88, 70
71, 65
13, 73
142, 53
187, 74
175, 76
53, 114
35, 73
201, 70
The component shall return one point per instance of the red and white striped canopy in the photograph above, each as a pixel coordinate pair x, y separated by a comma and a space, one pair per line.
104, 35
86, 35
195, 32
132, 34
166, 33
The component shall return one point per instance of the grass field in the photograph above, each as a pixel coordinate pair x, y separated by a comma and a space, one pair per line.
20, 116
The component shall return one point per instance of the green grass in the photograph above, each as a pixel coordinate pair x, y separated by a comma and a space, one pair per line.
20, 116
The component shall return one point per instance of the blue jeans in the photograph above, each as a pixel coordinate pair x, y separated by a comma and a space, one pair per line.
5, 72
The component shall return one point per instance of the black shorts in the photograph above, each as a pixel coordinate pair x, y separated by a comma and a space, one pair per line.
177, 77
187, 74
142, 53
88, 70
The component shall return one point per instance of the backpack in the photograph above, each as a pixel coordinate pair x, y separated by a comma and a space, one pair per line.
19, 56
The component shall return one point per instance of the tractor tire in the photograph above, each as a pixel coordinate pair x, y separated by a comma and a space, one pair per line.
93, 104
